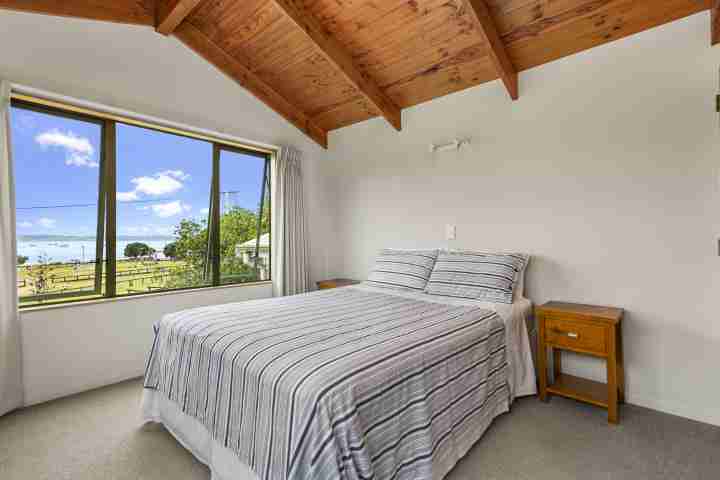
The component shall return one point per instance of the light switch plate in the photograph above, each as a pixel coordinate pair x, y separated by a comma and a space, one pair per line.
450, 232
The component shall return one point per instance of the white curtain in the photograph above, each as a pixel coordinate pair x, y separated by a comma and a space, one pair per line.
290, 270
11, 390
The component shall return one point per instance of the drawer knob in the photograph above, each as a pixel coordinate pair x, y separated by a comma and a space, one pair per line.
568, 334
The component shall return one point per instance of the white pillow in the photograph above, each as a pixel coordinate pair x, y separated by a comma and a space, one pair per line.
489, 276
519, 288
403, 269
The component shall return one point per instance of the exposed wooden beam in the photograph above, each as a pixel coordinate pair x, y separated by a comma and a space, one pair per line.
171, 13
485, 24
206, 48
337, 55
137, 12
715, 16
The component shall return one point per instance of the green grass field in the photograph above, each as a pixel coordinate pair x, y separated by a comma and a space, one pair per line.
38, 284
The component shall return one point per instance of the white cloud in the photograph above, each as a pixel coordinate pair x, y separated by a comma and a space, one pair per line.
127, 196
25, 224
162, 183
46, 222
77, 160
78, 150
179, 174
170, 209
204, 212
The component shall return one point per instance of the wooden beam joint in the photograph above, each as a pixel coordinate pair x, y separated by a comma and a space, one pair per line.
482, 18
169, 14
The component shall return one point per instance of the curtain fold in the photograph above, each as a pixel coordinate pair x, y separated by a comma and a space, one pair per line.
290, 257
11, 389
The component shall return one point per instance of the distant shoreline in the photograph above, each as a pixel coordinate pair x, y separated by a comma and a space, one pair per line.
72, 249
91, 238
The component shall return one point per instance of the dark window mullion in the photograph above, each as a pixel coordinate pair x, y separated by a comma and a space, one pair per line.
215, 217
101, 215
109, 142
268, 162
258, 229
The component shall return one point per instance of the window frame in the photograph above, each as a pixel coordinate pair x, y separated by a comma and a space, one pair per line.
106, 232
264, 190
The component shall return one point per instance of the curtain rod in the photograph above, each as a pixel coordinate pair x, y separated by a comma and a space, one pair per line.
31, 94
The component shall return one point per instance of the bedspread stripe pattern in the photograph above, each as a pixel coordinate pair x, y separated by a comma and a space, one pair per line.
343, 383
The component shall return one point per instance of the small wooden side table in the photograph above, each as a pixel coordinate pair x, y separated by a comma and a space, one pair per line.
588, 330
336, 283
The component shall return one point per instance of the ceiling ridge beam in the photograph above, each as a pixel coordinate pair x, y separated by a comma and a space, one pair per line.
485, 24
214, 54
715, 18
171, 13
337, 55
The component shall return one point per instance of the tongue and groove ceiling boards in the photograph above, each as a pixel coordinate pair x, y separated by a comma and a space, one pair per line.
326, 64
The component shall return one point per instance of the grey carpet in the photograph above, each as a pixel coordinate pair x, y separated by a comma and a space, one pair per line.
96, 435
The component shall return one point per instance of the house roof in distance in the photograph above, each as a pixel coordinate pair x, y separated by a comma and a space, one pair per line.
250, 244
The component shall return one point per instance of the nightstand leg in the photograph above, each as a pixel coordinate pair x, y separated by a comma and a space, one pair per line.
612, 377
557, 363
542, 359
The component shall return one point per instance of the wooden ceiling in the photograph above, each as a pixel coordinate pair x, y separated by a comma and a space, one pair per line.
326, 64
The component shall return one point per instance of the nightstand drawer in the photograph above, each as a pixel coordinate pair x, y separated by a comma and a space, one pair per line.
576, 335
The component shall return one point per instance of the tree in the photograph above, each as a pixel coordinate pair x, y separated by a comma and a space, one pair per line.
138, 249
237, 225
190, 246
170, 250
191, 240
39, 276
22, 259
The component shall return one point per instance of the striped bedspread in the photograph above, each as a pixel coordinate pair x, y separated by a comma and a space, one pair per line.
342, 383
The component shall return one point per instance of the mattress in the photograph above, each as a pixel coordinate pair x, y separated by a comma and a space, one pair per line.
346, 383
520, 330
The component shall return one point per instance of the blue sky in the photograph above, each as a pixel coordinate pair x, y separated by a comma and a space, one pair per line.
161, 178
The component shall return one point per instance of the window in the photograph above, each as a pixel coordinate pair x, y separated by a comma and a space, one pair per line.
245, 214
108, 208
60, 228
163, 197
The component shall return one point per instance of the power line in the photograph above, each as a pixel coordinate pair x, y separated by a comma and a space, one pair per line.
78, 205
82, 205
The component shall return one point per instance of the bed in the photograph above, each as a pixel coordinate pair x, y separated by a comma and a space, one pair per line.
355, 382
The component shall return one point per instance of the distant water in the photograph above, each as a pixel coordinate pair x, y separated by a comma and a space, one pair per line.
72, 250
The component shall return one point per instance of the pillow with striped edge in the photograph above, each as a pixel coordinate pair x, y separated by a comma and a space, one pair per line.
490, 277
402, 269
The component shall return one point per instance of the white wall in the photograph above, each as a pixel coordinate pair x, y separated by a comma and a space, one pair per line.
606, 170
71, 349
75, 348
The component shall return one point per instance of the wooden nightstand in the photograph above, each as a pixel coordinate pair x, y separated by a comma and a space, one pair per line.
588, 330
335, 283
